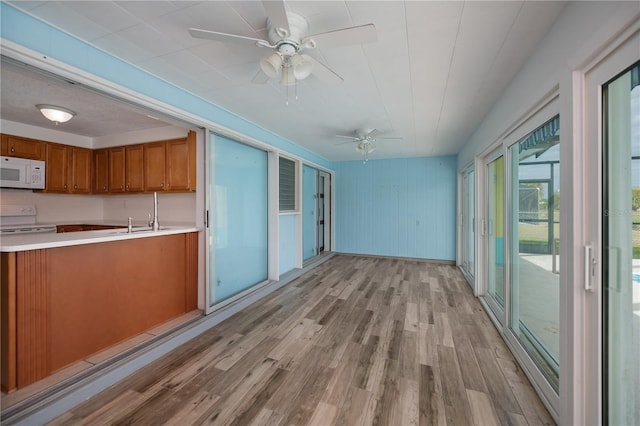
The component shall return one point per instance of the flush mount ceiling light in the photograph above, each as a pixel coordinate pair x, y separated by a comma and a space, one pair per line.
55, 113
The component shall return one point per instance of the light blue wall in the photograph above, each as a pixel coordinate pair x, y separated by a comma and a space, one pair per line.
400, 207
288, 245
33, 34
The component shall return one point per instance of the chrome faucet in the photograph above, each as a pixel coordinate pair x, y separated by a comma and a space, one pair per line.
153, 222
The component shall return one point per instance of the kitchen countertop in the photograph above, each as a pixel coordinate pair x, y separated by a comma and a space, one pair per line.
14, 243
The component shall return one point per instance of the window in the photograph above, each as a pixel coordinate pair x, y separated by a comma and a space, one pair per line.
287, 185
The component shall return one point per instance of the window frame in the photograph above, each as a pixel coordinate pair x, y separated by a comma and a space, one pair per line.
296, 180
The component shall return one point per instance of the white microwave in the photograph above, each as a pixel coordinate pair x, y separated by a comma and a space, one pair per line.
21, 173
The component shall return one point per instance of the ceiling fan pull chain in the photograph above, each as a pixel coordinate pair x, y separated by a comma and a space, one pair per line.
287, 99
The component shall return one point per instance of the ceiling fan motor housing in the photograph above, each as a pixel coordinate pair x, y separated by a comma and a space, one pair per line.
286, 48
298, 29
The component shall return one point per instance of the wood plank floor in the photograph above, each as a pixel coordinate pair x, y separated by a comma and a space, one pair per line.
357, 340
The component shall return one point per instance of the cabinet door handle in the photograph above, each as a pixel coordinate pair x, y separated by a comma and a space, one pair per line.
105, 187
13, 149
162, 185
65, 186
75, 186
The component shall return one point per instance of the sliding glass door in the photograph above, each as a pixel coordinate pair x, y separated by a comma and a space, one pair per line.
493, 228
239, 222
534, 218
468, 225
621, 248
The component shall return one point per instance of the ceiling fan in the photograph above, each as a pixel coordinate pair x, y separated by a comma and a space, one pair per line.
289, 40
364, 140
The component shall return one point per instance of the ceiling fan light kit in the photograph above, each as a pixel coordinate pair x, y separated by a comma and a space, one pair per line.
365, 147
301, 67
271, 66
364, 141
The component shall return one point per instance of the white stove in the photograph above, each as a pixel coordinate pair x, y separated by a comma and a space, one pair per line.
21, 219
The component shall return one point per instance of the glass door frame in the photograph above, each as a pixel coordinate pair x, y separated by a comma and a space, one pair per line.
613, 60
326, 179
496, 312
272, 225
468, 270
548, 108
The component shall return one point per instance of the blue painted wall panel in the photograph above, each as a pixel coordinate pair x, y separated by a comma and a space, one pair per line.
400, 207
287, 241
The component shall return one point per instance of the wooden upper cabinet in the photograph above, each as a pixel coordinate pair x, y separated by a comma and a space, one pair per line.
100, 171
57, 175
134, 168
80, 170
181, 164
69, 169
117, 168
168, 165
4, 144
154, 166
16, 146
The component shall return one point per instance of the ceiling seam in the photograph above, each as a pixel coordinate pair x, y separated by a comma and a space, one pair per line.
495, 57
373, 76
446, 86
413, 109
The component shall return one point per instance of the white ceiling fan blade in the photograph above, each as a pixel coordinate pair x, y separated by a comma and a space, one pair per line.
343, 37
224, 37
260, 78
345, 143
277, 14
389, 137
348, 137
323, 73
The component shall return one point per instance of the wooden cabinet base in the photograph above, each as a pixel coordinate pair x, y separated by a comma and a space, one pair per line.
71, 302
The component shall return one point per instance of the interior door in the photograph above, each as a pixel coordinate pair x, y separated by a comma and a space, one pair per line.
324, 212
321, 208
316, 207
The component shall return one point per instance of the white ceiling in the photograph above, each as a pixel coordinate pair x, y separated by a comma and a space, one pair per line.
23, 88
434, 72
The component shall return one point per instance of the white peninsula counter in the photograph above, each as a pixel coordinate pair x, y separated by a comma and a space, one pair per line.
22, 242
